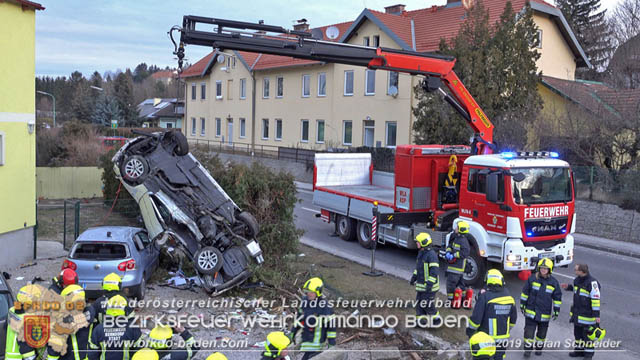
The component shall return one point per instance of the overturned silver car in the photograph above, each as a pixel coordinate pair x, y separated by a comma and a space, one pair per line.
184, 209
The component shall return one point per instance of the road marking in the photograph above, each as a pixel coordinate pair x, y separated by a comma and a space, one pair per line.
312, 210
563, 275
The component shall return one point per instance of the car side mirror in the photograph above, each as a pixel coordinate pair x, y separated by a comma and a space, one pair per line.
492, 188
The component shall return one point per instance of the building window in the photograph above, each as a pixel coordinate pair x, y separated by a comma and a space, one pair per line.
348, 82
376, 40
243, 127
229, 89
322, 84
539, 39
306, 89
392, 86
320, 131
203, 91
218, 127
390, 133
202, 130
369, 133
193, 126
265, 88
477, 182
365, 41
265, 129
279, 86
169, 125
218, 89
193, 91
243, 88
304, 137
347, 132
2, 148
370, 82
278, 129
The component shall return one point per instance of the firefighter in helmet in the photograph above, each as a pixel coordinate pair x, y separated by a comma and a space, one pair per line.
66, 277
315, 320
275, 346
425, 277
20, 350
494, 313
540, 302
482, 346
457, 252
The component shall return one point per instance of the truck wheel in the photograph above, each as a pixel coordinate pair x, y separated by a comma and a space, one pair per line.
208, 260
475, 269
364, 235
346, 228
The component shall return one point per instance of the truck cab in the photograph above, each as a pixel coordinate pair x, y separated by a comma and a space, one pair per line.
520, 207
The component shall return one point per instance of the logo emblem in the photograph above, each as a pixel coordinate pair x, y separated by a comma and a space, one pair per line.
36, 330
495, 220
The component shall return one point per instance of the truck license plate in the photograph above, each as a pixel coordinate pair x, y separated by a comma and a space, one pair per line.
545, 255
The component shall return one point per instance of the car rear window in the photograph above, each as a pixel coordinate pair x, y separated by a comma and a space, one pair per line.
99, 251
5, 300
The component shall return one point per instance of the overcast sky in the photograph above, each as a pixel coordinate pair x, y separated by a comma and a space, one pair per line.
91, 35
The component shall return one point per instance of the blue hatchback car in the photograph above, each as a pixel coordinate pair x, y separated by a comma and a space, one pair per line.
126, 251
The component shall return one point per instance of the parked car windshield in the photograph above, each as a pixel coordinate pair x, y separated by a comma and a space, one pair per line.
542, 186
99, 251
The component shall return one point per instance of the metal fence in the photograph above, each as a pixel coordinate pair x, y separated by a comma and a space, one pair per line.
264, 151
63, 221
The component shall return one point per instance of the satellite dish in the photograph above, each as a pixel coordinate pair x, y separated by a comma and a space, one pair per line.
393, 91
332, 32
220, 59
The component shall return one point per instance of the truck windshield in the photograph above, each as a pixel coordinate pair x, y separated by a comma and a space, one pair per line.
542, 186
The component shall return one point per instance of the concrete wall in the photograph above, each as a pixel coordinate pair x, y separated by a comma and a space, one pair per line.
21, 244
608, 221
68, 182
298, 170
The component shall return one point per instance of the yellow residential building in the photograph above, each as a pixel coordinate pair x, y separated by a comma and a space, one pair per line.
17, 131
259, 99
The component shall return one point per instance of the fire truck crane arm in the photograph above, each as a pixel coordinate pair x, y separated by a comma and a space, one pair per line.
251, 37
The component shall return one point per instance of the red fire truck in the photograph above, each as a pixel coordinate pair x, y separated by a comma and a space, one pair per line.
520, 205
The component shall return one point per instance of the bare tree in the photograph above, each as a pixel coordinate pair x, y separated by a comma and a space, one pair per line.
624, 67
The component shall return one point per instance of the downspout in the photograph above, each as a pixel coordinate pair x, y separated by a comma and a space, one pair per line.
253, 112
184, 116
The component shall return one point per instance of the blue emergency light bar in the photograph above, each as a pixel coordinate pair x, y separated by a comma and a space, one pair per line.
529, 154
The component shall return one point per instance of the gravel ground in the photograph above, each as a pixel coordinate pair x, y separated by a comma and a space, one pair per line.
237, 342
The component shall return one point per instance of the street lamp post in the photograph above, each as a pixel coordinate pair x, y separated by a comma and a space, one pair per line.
54, 105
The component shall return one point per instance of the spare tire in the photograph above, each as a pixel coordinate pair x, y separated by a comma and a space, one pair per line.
250, 223
208, 260
182, 145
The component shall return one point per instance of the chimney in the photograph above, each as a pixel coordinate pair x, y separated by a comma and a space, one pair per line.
260, 33
395, 9
301, 25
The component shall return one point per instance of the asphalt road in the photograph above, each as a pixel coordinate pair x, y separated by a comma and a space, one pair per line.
618, 275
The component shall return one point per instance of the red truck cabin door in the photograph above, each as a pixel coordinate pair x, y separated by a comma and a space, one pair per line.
473, 200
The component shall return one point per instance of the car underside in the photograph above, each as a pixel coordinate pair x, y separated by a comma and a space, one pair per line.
186, 211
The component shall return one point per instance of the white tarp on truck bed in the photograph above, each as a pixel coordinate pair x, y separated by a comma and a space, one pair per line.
342, 169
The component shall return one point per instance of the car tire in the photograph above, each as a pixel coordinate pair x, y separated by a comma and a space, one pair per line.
142, 289
364, 235
134, 169
208, 260
346, 228
182, 145
251, 223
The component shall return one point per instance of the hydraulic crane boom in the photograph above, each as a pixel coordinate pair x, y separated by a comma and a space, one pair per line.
437, 69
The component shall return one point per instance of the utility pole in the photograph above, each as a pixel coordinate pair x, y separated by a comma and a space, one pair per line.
54, 105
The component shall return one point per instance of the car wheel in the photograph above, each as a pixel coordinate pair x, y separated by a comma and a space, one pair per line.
142, 290
134, 169
208, 260
346, 228
364, 235
182, 145
251, 224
